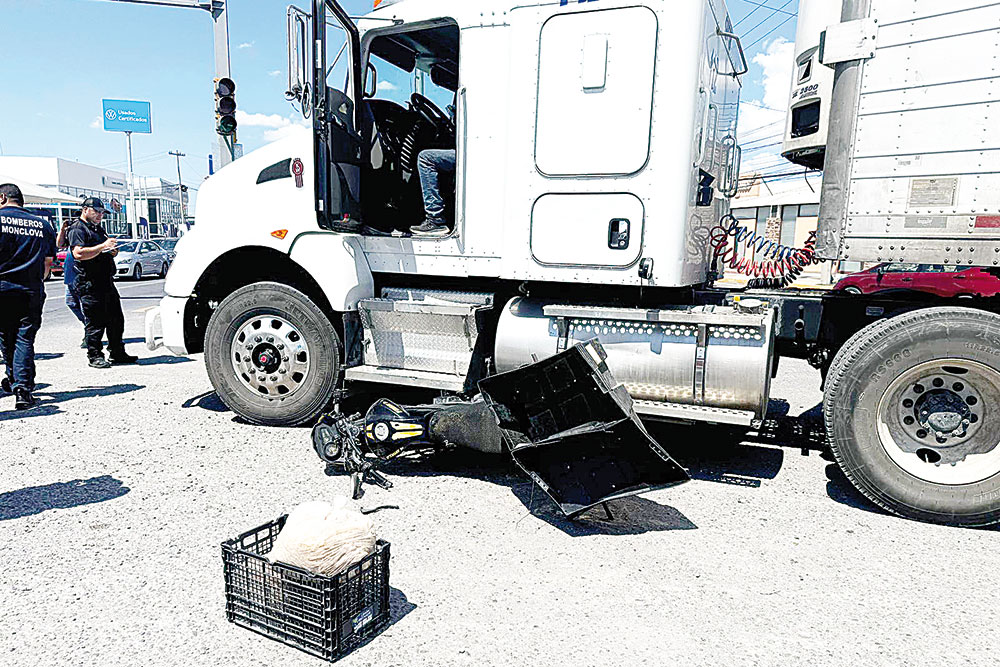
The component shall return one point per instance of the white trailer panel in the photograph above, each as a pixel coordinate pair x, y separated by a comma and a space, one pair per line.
913, 159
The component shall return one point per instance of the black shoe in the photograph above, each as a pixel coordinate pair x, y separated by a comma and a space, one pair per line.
122, 358
431, 227
100, 362
24, 399
5, 387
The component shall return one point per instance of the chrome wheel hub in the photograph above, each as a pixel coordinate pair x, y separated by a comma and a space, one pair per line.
270, 356
932, 421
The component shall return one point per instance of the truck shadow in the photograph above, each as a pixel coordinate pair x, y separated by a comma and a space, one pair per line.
61, 495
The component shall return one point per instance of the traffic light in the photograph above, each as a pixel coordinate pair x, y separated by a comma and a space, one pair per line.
225, 106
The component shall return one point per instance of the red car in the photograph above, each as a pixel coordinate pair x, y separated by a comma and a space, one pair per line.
58, 265
937, 279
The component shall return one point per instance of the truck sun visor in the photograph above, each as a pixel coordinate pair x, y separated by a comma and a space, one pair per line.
573, 429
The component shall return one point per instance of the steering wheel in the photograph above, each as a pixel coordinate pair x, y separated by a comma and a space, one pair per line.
431, 113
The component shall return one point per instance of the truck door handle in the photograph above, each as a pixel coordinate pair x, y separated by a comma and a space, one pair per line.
906, 280
619, 233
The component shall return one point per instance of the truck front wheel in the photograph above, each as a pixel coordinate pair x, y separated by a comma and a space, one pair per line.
911, 409
272, 355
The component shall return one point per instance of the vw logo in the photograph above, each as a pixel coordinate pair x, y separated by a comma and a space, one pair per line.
111, 114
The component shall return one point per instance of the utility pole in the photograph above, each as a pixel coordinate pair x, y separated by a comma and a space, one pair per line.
131, 213
220, 20
180, 184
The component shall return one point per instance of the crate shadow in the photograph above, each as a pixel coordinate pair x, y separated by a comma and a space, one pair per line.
61, 495
399, 607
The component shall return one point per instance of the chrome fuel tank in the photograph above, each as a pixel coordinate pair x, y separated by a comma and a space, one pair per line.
713, 356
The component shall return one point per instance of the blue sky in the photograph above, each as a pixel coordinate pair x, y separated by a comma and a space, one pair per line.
62, 56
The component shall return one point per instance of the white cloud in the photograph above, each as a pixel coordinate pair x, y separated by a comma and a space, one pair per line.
275, 125
260, 119
246, 45
387, 85
762, 121
274, 72
285, 131
97, 123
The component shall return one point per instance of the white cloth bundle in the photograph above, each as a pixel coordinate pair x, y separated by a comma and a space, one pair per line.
323, 538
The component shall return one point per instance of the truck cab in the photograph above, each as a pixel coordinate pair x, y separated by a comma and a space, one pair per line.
594, 147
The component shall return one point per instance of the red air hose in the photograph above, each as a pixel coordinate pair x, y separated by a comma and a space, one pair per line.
771, 264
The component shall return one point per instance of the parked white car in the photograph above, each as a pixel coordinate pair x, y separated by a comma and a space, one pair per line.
141, 258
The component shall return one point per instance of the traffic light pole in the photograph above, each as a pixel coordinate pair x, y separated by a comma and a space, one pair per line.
220, 18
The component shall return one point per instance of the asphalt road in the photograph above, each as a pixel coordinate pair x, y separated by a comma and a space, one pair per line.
119, 489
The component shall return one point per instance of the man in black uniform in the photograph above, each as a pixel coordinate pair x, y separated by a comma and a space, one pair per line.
27, 248
94, 255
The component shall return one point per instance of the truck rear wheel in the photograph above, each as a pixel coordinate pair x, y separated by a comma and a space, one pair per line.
911, 409
272, 355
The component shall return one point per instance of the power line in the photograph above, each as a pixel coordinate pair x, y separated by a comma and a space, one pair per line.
770, 31
761, 106
767, 18
757, 5
763, 127
767, 138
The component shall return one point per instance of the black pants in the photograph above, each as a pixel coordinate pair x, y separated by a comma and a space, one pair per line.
102, 308
20, 319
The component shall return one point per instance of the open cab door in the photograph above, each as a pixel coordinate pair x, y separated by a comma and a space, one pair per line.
337, 92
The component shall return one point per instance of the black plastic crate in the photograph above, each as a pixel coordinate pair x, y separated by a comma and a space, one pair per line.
323, 616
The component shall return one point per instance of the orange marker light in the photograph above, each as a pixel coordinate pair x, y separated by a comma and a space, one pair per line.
279, 233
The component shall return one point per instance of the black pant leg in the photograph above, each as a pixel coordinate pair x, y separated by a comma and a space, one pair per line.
24, 349
116, 321
94, 307
9, 320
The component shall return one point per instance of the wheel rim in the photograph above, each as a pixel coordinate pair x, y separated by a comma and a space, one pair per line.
933, 421
270, 356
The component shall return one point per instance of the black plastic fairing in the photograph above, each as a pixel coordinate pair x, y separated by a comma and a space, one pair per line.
573, 429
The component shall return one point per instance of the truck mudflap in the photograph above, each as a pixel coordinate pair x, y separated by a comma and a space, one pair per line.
573, 429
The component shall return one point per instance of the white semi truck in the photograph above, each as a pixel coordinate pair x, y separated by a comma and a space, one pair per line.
596, 153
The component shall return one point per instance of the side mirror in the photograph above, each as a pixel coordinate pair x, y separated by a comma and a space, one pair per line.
299, 87
371, 82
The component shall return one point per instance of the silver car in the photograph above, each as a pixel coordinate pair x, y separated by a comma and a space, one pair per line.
141, 258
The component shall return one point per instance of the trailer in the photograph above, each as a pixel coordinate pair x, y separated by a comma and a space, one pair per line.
595, 154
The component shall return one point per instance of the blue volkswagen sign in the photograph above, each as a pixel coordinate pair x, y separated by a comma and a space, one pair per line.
127, 116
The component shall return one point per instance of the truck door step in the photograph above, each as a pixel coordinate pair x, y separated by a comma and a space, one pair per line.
424, 331
410, 378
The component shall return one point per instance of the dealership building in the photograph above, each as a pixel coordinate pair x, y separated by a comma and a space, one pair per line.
157, 202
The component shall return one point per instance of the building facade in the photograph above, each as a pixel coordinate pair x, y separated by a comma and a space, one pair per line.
786, 210
157, 209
